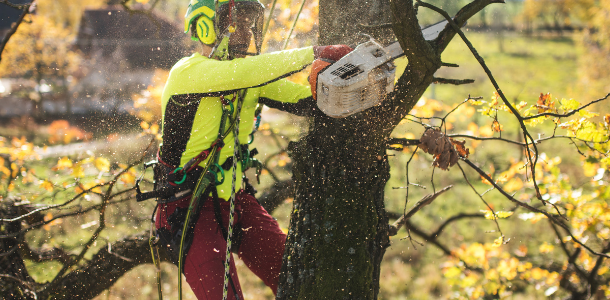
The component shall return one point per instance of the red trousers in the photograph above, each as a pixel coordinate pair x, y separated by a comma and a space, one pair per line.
261, 249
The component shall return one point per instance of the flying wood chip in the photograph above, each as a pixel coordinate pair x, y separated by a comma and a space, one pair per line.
446, 151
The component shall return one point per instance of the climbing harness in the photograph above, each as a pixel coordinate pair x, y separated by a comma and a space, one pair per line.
171, 184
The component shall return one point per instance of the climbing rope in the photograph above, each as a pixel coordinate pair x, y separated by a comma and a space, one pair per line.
236, 154
269, 19
294, 24
154, 251
204, 181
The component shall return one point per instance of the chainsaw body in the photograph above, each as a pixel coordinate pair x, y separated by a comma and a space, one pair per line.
362, 78
357, 81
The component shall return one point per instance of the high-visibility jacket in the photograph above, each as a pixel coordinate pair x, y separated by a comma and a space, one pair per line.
192, 108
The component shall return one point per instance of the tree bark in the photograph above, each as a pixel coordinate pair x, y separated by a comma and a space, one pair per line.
338, 229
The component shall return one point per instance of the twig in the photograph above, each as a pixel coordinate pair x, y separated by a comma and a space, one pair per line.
457, 217
569, 113
407, 178
439, 80
404, 142
435, 242
450, 65
482, 199
417, 207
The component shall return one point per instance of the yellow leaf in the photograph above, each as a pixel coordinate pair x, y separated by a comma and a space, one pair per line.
47, 185
513, 185
78, 170
587, 114
503, 214
498, 242
63, 163
569, 104
128, 178
590, 169
508, 268
546, 248
102, 164
144, 125
452, 272
154, 128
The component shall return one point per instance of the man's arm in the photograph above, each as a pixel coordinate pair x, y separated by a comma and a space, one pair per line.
289, 97
203, 75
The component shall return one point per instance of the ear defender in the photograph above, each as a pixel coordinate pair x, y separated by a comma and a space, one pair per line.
205, 30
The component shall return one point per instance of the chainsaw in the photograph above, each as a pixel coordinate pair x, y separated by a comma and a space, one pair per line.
362, 78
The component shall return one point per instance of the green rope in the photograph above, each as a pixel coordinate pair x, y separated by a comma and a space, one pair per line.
154, 250
236, 151
293, 25
268, 19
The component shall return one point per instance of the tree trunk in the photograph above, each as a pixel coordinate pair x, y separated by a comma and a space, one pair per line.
339, 229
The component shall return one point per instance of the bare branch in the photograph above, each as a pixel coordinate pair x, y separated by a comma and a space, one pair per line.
417, 207
404, 142
439, 80
444, 64
452, 219
460, 19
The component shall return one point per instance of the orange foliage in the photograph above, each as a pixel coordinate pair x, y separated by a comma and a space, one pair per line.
60, 131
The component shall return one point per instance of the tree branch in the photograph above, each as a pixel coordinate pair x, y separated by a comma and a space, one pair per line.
460, 19
103, 270
452, 81
569, 113
418, 206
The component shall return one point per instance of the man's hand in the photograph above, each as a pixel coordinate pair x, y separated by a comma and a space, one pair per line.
325, 56
332, 52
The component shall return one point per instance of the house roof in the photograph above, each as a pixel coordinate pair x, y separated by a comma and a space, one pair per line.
145, 40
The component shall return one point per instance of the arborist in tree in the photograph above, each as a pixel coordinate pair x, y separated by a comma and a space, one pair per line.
209, 104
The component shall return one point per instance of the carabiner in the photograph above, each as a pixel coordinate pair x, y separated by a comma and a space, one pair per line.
183, 177
215, 173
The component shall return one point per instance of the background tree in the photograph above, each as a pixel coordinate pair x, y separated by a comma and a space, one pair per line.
39, 51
